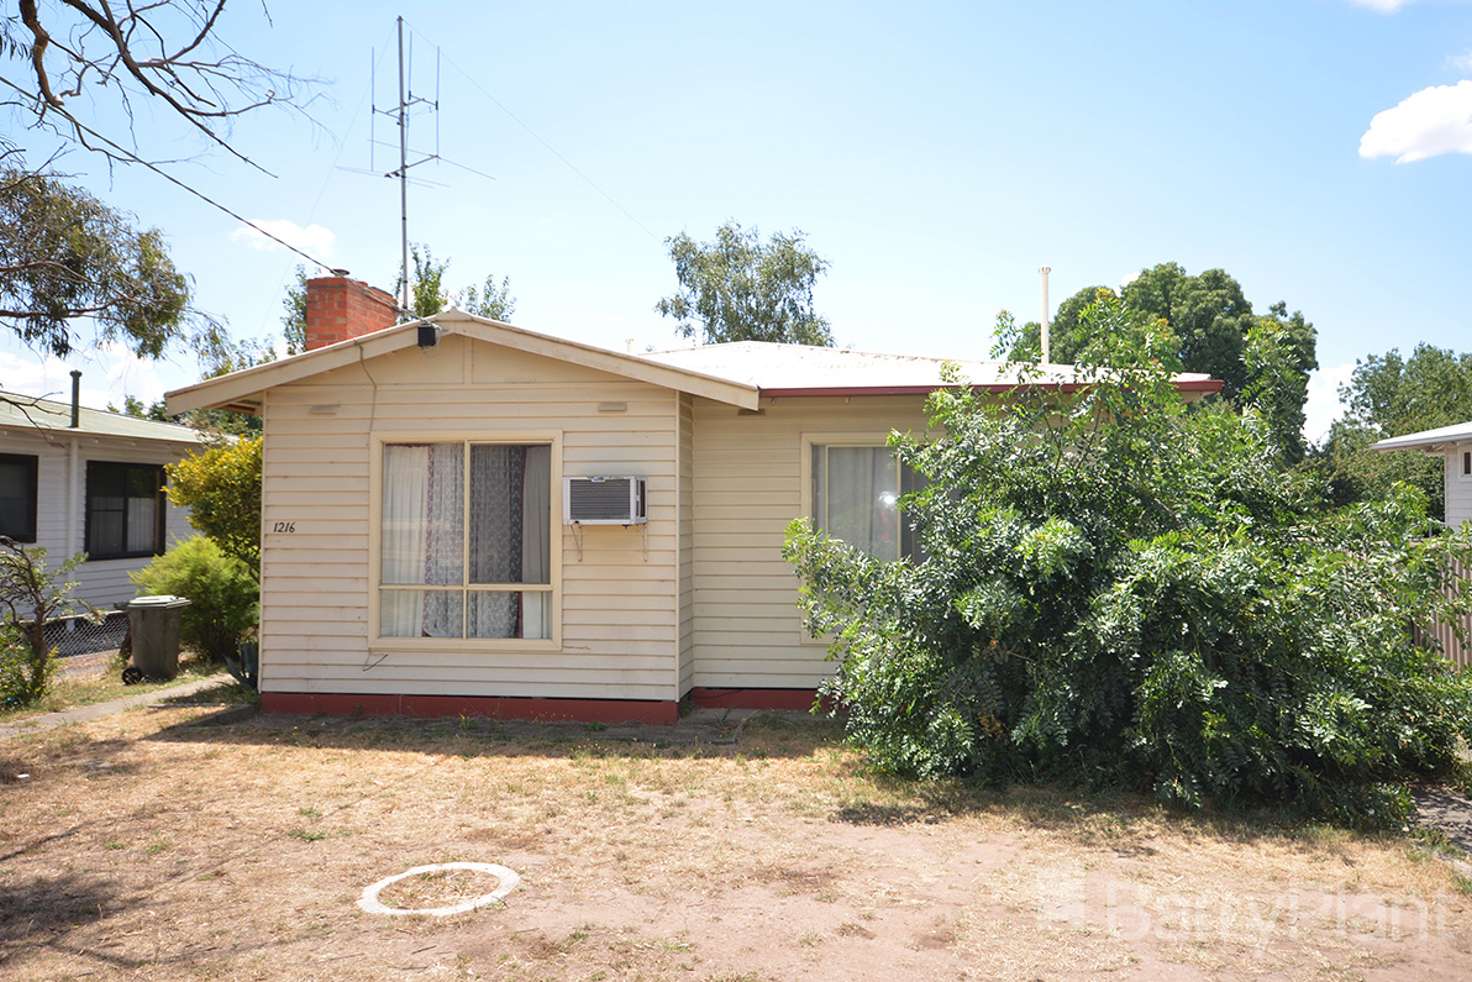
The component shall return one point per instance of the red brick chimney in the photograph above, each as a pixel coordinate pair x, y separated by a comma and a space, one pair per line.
339, 308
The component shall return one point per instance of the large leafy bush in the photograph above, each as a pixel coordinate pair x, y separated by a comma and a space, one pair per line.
1126, 591
221, 589
221, 487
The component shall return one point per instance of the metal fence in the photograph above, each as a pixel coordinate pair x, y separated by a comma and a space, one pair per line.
78, 635
1443, 633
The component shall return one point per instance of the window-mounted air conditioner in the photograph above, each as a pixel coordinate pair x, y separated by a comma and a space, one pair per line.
603, 501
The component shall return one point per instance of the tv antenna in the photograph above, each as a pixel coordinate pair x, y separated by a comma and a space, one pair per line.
403, 113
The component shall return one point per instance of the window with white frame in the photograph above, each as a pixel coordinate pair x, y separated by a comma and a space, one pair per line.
855, 496
465, 541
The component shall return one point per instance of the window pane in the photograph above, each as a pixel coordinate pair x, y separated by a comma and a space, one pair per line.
421, 613
510, 615
17, 492
142, 523
909, 548
862, 499
423, 523
510, 514
105, 525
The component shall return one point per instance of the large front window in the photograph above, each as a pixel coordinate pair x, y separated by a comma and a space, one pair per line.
465, 541
855, 497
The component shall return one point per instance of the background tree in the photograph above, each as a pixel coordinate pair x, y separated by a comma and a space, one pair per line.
1391, 395
66, 256
294, 313
429, 295
492, 300
70, 64
739, 288
1262, 359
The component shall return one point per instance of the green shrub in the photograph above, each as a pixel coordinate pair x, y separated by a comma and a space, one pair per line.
1124, 591
221, 589
30, 595
221, 487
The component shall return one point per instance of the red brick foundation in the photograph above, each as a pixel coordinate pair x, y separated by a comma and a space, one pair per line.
799, 699
498, 707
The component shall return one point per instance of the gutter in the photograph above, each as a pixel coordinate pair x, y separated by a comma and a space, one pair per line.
1207, 386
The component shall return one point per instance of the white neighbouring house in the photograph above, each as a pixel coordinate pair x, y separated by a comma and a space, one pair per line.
435, 542
93, 487
1453, 444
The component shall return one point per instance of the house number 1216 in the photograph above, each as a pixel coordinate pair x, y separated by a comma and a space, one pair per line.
287, 527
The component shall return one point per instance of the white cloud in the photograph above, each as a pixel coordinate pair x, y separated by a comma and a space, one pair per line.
1381, 6
1428, 123
109, 373
1323, 407
315, 239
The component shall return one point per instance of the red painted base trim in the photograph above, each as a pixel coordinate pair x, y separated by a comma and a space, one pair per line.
799, 699
499, 707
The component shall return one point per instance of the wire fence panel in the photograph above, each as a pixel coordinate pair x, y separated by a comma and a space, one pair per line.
78, 635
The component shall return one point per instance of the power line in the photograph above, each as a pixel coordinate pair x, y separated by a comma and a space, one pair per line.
545, 145
132, 157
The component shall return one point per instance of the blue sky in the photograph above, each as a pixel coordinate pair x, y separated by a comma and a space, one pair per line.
936, 154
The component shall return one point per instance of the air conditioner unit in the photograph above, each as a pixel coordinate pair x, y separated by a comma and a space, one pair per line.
603, 501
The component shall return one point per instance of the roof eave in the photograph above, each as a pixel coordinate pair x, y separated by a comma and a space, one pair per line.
1198, 387
242, 388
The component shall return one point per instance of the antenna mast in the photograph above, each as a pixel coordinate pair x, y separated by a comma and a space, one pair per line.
402, 113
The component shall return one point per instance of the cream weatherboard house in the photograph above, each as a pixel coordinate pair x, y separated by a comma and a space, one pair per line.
432, 543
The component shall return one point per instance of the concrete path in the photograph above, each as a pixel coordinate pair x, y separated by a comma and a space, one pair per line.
81, 714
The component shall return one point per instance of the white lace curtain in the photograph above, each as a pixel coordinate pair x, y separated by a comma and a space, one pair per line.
857, 497
424, 540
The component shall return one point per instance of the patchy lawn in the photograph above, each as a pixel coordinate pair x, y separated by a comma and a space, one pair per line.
96, 680
154, 844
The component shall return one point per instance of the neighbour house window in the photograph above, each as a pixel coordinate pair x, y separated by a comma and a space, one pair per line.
125, 510
855, 497
1467, 463
18, 496
466, 552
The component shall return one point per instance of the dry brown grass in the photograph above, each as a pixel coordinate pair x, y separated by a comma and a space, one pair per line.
148, 844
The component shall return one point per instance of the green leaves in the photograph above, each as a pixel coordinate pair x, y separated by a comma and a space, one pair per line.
739, 288
1124, 590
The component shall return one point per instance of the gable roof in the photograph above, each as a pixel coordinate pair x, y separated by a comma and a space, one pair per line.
1426, 439
241, 390
52, 416
808, 370
739, 373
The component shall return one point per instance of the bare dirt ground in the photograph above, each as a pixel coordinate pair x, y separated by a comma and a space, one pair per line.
156, 844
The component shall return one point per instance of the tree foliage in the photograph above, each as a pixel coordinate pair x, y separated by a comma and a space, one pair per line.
739, 288
1119, 590
221, 487
1392, 395
66, 256
1261, 359
429, 295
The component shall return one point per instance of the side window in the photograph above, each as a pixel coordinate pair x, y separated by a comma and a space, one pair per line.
1467, 463
18, 496
125, 510
855, 497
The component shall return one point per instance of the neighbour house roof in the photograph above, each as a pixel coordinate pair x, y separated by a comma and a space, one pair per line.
737, 373
1427, 439
52, 416
801, 369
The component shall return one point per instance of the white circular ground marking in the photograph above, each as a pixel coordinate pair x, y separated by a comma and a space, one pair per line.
507, 882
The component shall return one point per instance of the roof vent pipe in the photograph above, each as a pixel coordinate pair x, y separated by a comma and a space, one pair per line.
1043, 334
76, 398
